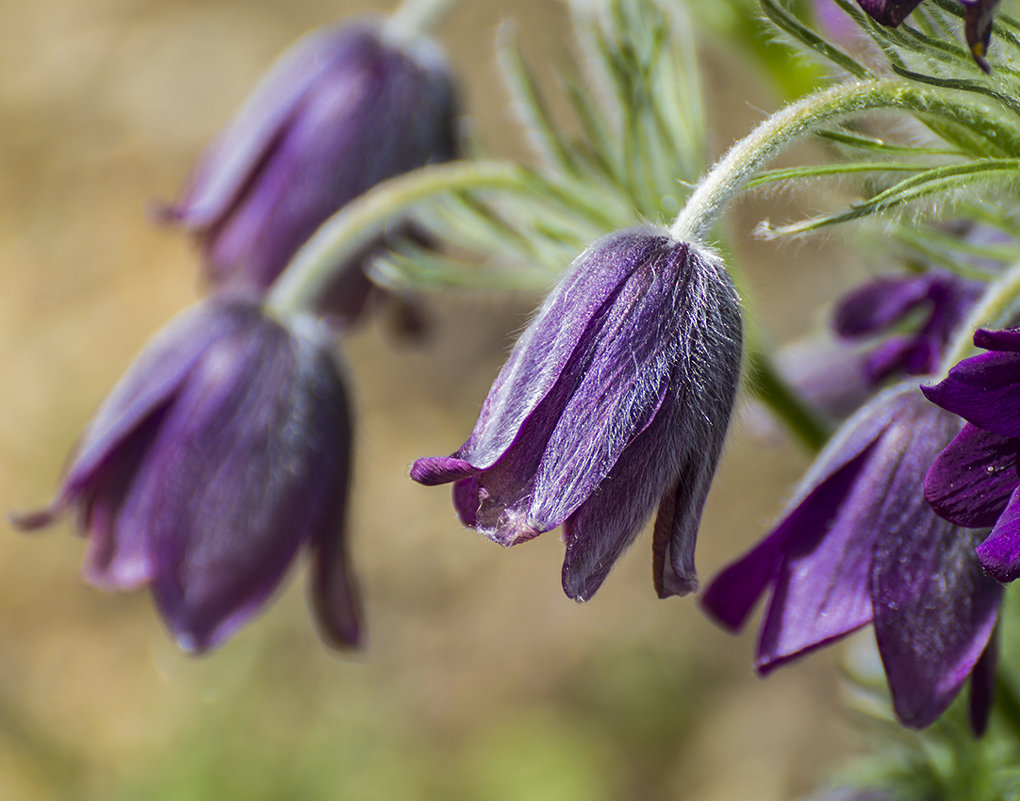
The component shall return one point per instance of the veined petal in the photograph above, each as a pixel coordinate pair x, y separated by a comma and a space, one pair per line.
984, 390
1000, 551
971, 480
548, 344
733, 593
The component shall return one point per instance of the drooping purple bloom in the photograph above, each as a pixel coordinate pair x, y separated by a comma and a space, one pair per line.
978, 18
941, 299
858, 545
976, 480
221, 453
342, 110
615, 400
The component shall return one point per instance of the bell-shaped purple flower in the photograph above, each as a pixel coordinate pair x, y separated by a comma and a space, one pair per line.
222, 452
978, 18
940, 299
858, 545
342, 110
615, 400
976, 480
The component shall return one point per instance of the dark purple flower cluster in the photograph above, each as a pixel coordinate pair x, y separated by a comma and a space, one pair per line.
225, 450
615, 400
859, 545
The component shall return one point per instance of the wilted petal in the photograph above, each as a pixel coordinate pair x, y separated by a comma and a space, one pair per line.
1000, 552
971, 480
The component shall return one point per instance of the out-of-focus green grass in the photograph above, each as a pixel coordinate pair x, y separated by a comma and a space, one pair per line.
480, 680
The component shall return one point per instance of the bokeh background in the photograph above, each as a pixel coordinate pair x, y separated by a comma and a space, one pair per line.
480, 680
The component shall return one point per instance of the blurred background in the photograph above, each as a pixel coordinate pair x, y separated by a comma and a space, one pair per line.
480, 680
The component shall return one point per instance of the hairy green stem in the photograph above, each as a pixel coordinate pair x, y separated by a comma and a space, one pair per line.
361, 221
731, 173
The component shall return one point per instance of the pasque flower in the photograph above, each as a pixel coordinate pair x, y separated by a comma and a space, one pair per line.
978, 18
342, 110
975, 481
614, 400
221, 453
858, 545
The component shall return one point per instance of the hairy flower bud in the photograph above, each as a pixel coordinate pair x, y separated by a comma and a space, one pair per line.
341, 111
614, 400
223, 451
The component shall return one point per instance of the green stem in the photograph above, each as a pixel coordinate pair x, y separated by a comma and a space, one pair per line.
769, 386
998, 307
732, 172
358, 223
1007, 703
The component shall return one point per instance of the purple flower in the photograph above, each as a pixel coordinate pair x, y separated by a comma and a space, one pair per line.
341, 111
859, 545
615, 399
942, 299
978, 17
222, 452
975, 480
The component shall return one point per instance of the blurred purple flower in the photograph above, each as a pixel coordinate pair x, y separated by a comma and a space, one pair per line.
615, 399
222, 451
342, 110
978, 17
860, 545
873, 309
975, 481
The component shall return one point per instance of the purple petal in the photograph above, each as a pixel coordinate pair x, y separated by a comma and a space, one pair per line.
978, 28
1006, 339
1000, 551
934, 612
901, 354
984, 390
548, 344
875, 306
732, 594
971, 480
434, 470
934, 607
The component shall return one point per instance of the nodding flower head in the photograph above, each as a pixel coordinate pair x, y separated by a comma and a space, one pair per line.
615, 400
858, 545
221, 453
342, 110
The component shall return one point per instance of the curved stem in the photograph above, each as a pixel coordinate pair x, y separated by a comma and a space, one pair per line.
358, 223
998, 307
417, 17
732, 172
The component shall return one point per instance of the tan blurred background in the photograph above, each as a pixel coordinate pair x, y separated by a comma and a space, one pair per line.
480, 680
